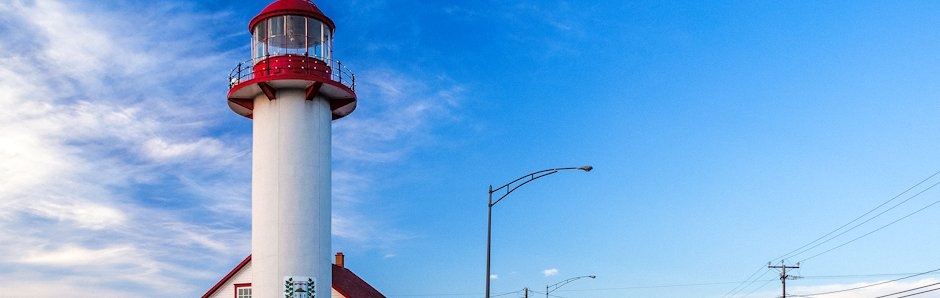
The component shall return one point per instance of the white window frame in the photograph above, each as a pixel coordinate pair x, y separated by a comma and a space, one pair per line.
241, 289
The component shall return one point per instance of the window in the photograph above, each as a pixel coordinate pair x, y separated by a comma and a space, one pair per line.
327, 43
260, 40
314, 37
291, 35
296, 34
243, 291
277, 41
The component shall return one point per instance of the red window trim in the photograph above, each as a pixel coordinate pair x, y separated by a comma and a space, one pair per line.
244, 285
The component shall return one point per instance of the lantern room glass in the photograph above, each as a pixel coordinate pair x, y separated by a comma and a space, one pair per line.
291, 35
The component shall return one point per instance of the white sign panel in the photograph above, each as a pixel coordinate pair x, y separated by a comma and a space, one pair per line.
299, 287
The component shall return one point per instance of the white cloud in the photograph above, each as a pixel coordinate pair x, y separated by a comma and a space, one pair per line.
550, 272
162, 150
494, 276
121, 170
366, 233
101, 150
71, 255
44, 286
82, 215
402, 111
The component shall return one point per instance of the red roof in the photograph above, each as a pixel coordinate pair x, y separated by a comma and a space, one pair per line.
291, 7
350, 285
344, 281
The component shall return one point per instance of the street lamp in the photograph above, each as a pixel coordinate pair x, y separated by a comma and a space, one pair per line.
510, 187
552, 288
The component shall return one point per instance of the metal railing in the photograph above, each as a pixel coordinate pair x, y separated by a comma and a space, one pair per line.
339, 73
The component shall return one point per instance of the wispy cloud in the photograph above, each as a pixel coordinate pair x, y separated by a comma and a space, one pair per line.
99, 139
399, 111
122, 172
555, 32
397, 114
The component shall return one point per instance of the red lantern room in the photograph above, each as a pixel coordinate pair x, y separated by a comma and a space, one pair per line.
292, 47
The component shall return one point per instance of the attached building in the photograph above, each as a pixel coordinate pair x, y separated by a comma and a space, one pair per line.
346, 284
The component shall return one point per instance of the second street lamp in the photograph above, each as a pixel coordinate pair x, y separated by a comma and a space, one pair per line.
510, 187
551, 288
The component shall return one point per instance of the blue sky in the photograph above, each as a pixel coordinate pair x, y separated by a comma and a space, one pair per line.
724, 135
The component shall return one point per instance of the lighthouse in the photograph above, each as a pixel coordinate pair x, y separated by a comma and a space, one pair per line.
292, 89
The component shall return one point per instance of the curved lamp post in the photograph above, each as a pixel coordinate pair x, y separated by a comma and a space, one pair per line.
552, 288
510, 187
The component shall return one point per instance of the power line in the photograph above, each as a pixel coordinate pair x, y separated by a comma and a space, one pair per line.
914, 289
789, 254
854, 275
551, 295
918, 293
739, 287
508, 293
868, 286
876, 230
756, 280
678, 285
641, 287
869, 219
450, 294
657, 286
758, 288
826, 238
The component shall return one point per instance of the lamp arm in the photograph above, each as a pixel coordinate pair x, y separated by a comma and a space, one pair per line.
532, 176
564, 282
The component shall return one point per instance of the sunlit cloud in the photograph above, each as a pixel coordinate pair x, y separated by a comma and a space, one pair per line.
122, 170
550, 272
97, 145
85, 216
75, 255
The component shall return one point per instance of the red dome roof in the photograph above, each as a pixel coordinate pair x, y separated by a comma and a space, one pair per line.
291, 7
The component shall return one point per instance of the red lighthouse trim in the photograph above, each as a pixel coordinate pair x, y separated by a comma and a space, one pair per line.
291, 7
319, 77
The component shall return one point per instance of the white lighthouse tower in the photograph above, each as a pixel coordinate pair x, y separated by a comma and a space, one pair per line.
292, 89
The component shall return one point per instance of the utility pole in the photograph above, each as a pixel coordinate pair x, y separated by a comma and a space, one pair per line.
783, 274
526, 292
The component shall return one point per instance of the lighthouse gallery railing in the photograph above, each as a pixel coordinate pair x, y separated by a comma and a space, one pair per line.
339, 73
